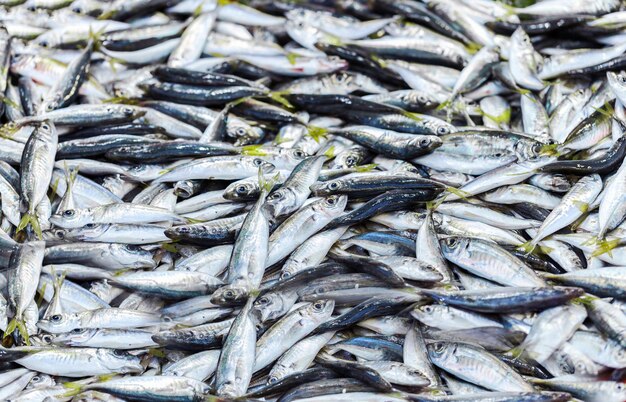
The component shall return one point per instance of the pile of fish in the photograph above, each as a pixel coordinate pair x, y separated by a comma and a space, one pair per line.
355, 200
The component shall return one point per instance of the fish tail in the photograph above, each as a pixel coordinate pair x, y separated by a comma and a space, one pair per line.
279, 97
17, 323
330, 152
605, 246
317, 133
253, 150
73, 389
464, 195
30, 218
528, 247
366, 168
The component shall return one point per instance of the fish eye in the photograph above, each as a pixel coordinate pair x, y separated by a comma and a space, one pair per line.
350, 161
272, 380
425, 142
77, 10
439, 347
35, 379
622, 78
285, 275
119, 353
43, 43
298, 154
241, 189
257, 162
45, 126
31, 8
56, 318
452, 242
428, 309
318, 306
69, 213
619, 387
90, 225
127, 110
132, 247
60, 234
240, 131
47, 338
333, 185
264, 300
229, 294
184, 229
331, 201
442, 130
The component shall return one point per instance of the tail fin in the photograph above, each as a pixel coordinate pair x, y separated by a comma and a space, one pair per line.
18, 323
34, 223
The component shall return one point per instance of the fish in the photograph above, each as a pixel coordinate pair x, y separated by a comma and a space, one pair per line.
315, 201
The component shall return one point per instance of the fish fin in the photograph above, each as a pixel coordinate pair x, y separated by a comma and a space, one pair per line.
444, 104
584, 300
156, 352
411, 115
254, 293
292, 58
366, 168
9, 129
317, 133
18, 324
121, 100
168, 246
528, 247
279, 97
267, 185
330, 152
34, 222
545, 249
549, 149
198, 10
606, 110
472, 47
378, 60
516, 352
464, 195
253, 150
522, 91
605, 246
582, 206
192, 220
73, 388
41, 292
9, 102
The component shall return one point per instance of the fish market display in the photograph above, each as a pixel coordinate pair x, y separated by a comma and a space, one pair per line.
322, 200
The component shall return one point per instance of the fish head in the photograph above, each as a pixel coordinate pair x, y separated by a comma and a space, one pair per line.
321, 309
229, 295
270, 306
280, 201
453, 246
426, 312
243, 132
241, 191
327, 187
440, 351
40, 381
426, 142
59, 323
334, 205
255, 163
71, 218
75, 337
132, 255
119, 361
